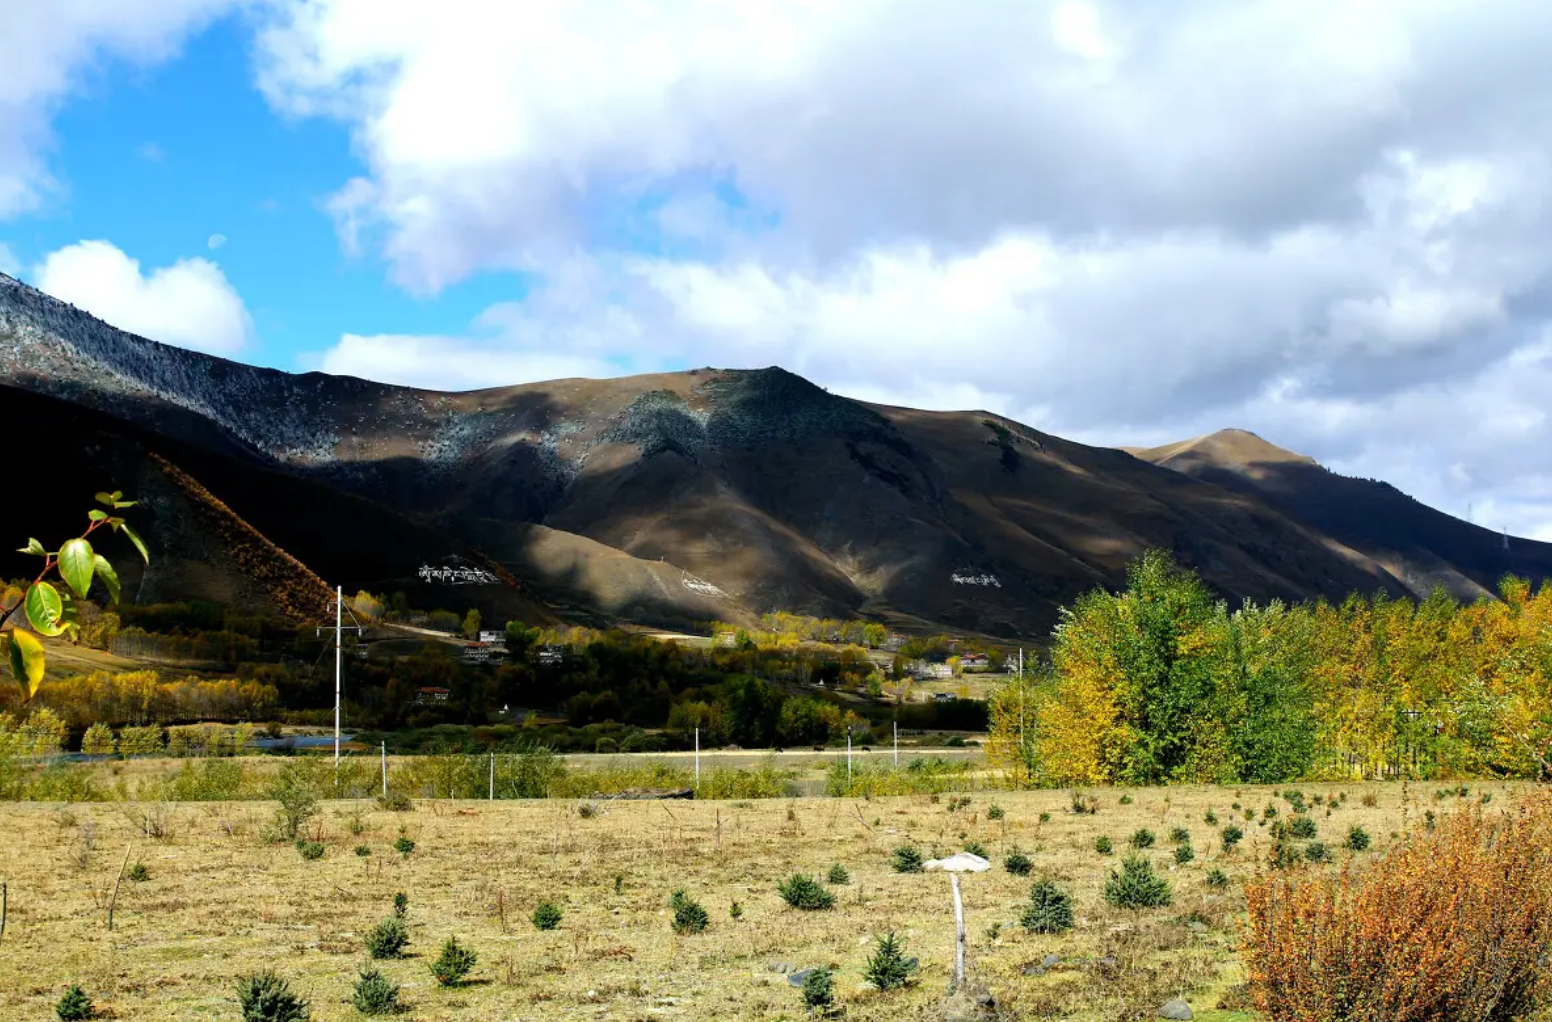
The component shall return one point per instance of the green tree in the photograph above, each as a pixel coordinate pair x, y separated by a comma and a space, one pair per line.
471, 624
51, 611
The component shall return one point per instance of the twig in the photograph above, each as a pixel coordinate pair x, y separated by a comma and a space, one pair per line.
115, 899
4, 897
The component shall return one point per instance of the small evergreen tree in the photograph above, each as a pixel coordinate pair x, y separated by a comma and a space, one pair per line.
838, 875
547, 916
1049, 909
265, 997
689, 916
1357, 838
818, 989
388, 938
1136, 886
374, 994
907, 859
1017, 863
74, 1006
804, 892
454, 963
887, 968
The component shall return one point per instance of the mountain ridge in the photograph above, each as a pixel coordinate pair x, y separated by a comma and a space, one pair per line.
676, 497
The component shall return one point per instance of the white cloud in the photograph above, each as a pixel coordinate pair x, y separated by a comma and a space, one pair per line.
1120, 221
452, 363
215, 241
45, 49
189, 304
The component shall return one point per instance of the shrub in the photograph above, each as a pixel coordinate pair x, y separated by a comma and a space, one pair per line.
310, 850
1449, 925
1316, 851
804, 892
818, 989
401, 904
1103, 845
1125, 800
454, 963
1231, 835
1357, 838
887, 967
1017, 863
1049, 909
689, 916
1217, 878
1210, 818
736, 910
1302, 827
838, 875
374, 994
546, 916
994, 812
295, 787
1370, 799
139, 873
74, 1006
363, 851
1269, 813
1184, 854
1284, 855
403, 845
265, 997
1142, 838
1180, 836
976, 848
1086, 804
388, 938
907, 859
395, 802
1136, 886
1045, 817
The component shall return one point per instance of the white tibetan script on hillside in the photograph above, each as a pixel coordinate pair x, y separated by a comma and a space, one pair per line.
700, 588
975, 580
459, 576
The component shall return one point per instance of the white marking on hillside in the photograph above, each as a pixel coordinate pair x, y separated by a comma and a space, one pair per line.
701, 588
975, 580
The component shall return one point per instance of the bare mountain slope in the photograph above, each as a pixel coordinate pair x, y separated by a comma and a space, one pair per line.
667, 498
1422, 547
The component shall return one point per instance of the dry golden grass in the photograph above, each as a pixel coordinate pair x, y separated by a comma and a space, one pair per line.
222, 902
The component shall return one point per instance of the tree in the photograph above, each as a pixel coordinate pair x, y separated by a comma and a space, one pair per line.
51, 612
471, 624
98, 741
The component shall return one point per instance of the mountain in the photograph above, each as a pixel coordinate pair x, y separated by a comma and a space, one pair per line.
1421, 547
661, 499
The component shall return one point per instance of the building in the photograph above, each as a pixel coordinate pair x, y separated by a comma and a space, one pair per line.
551, 656
498, 639
922, 670
975, 662
431, 694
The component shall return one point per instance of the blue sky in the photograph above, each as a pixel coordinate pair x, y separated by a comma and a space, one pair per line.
1322, 223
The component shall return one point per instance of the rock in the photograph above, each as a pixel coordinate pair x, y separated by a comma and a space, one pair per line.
1196, 926
912, 964
1175, 1009
796, 978
1051, 960
780, 967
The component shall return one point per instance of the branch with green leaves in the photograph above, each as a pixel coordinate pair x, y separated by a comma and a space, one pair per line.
52, 611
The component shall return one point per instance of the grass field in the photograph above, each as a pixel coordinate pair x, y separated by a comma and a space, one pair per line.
222, 901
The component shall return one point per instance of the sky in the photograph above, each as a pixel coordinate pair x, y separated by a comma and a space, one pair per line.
1118, 221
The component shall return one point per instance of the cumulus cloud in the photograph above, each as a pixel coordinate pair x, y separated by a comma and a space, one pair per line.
46, 48
452, 363
1120, 221
190, 303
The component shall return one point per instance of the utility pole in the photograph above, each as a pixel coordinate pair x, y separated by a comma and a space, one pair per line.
848, 755
697, 759
897, 743
339, 628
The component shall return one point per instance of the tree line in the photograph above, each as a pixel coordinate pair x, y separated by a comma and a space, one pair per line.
1161, 683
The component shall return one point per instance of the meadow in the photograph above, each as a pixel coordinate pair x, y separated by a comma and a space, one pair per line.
220, 898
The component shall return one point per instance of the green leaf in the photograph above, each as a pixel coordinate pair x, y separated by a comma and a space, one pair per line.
109, 577
76, 565
106, 498
134, 538
96, 515
33, 547
126, 503
26, 662
45, 608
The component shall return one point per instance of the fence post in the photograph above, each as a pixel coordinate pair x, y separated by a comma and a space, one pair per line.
697, 758
385, 768
492, 776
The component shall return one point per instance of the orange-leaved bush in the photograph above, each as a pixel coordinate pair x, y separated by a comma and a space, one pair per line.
1451, 924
